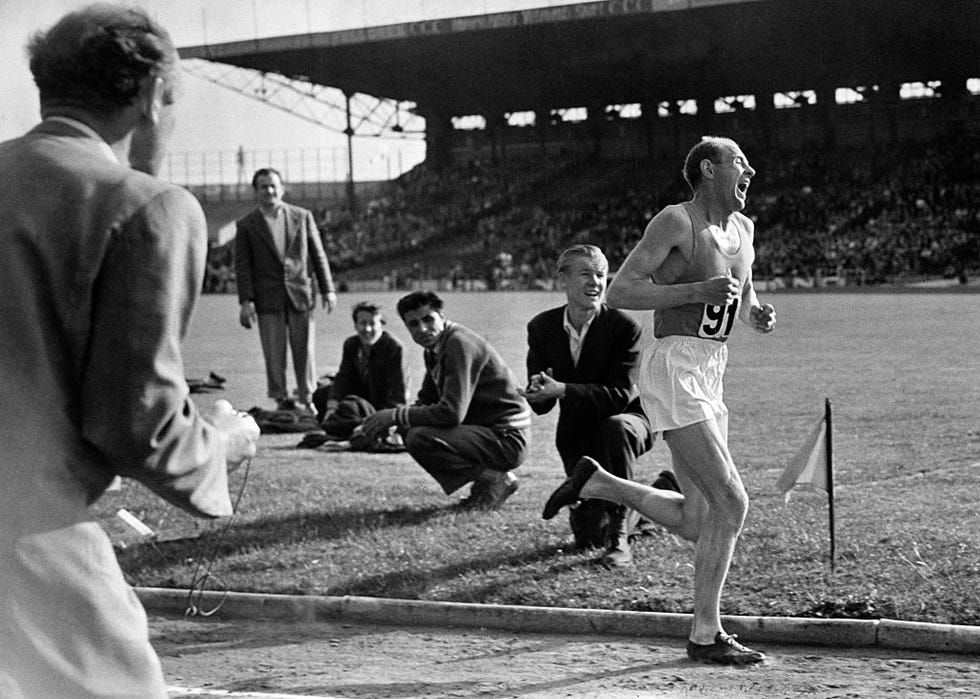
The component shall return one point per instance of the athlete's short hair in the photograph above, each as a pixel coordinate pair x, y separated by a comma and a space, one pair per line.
708, 148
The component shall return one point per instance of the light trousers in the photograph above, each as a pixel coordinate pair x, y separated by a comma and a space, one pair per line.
296, 330
70, 625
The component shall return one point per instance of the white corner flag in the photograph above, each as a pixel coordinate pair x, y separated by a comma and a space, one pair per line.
809, 466
813, 466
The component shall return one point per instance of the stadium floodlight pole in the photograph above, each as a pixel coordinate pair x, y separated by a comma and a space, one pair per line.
351, 195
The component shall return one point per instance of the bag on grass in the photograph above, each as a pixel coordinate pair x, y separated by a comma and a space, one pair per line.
351, 411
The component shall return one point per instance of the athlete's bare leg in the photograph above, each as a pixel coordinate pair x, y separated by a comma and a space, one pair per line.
665, 507
702, 457
711, 511
682, 514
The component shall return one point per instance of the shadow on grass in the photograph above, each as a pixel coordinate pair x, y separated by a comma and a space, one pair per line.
272, 534
490, 572
269, 532
414, 583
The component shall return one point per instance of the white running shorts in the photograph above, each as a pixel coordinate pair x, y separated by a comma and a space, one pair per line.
680, 381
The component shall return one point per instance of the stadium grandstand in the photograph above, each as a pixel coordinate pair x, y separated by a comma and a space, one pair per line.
568, 123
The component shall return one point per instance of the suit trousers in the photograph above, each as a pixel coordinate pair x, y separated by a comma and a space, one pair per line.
455, 456
297, 330
619, 441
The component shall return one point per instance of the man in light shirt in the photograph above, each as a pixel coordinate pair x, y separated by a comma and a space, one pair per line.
280, 266
580, 357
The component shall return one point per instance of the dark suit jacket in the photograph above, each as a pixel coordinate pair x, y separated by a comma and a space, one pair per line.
599, 386
268, 281
384, 386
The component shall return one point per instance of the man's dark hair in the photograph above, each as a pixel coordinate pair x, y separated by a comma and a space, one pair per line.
417, 299
708, 148
366, 307
266, 172
98, 57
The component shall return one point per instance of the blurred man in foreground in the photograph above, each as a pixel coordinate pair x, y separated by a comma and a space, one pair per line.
470, 423
101, 268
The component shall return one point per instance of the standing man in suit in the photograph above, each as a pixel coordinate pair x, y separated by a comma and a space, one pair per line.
278, 255
580, 357
101, 269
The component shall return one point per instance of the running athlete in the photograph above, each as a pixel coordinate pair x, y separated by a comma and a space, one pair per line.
693, 267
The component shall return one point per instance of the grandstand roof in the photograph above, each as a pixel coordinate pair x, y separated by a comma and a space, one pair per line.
624, 51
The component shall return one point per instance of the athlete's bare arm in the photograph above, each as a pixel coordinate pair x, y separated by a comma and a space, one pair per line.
633, 287
761, 317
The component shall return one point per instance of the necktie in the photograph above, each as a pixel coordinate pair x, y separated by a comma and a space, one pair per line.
362, 362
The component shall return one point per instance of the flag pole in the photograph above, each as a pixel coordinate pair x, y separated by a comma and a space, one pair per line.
830, 480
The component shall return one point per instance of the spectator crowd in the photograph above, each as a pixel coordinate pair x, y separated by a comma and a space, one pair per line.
848, 216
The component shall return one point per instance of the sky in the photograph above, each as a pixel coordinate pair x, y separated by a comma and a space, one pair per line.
212, 118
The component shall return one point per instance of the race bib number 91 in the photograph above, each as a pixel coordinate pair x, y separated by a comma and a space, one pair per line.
717, 321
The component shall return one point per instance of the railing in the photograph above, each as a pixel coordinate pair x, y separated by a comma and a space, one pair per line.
228, 168
325, 192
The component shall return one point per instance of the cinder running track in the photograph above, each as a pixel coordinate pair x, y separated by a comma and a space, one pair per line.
285, 658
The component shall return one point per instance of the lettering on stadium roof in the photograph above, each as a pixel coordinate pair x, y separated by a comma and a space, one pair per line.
542, 15
452, 25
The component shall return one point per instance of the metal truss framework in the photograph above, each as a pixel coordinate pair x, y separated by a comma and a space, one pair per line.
325, 106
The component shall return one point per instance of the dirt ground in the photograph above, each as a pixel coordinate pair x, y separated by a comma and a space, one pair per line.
211, 658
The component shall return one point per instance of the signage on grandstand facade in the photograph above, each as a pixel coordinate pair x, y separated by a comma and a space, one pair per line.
454, 25
547, 15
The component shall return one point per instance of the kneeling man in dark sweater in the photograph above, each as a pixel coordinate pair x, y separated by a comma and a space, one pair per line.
469, 423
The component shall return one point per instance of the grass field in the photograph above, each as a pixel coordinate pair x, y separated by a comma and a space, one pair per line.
902, 371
